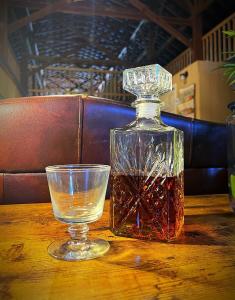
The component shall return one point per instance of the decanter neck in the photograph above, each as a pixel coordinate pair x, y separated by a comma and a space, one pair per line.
148, 109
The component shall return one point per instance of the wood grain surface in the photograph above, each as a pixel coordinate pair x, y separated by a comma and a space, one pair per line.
201, 265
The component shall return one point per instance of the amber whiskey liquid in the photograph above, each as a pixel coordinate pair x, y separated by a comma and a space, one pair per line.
147, 207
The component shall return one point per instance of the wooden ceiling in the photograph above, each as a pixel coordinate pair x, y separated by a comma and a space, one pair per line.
108, 33
104, 34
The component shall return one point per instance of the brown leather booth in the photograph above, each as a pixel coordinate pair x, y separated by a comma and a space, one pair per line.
39, 131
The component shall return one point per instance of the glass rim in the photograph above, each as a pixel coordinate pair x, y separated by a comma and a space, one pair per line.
77, 168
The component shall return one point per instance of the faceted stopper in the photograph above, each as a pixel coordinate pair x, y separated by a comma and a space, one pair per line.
147, 81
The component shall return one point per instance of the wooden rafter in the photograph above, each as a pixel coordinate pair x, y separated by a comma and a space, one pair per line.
149, 14
117, 12
66, 6
103, 11
177, 20
198, 7
201, 6
51, 8
197, 38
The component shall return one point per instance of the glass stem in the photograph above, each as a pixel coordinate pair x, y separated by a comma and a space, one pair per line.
78, 235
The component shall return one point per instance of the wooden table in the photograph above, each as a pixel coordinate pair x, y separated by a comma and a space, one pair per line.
201, 265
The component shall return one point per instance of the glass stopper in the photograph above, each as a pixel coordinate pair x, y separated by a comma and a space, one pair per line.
147, 82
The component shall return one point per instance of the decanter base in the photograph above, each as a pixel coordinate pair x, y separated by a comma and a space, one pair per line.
147, 235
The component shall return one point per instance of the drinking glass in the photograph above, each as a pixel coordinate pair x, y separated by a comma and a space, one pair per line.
77, 196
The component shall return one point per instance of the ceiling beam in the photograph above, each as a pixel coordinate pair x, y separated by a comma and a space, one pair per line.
198, 7
117, 12
149, 14
102, 11
177, 20
72, 60
84, 10
197, 53
43, 12
120, 13
201, 6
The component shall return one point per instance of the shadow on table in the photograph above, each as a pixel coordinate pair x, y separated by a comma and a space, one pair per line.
210, 229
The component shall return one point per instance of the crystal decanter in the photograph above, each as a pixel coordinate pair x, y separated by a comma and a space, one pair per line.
147, 197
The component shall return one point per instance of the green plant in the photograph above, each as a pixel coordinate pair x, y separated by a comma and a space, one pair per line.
229, 67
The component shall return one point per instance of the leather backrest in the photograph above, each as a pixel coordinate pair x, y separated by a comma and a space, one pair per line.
39, 131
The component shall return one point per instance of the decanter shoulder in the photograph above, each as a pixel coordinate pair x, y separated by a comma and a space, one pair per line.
147, 126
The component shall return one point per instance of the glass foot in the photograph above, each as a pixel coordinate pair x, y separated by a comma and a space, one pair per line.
72, 251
